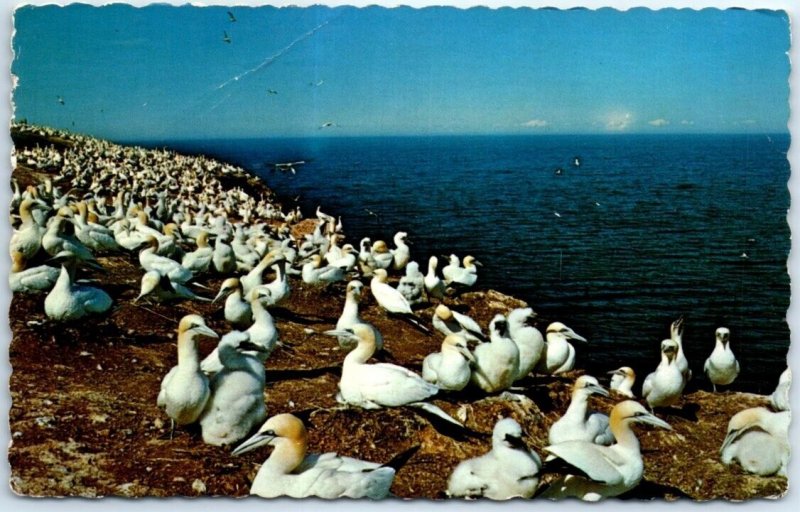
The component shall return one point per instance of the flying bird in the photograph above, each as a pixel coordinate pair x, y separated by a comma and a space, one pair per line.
272, 91
226, 37
231, 16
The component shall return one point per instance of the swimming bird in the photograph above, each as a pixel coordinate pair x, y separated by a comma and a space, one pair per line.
236, 405
779, 399
600, 472
412, 284
184, 389
509, 470
392, 301
721, 367
529, 340
163, 290
758, 439
664, 386
449, 368
350, 317
25, 280
676, 334
237, 310
291, 471
401, 254
434, 286
622, 380
70, 301
559, 354
579, 423
497, 362
447, 322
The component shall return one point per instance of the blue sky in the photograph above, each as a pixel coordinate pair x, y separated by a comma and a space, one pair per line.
166, 72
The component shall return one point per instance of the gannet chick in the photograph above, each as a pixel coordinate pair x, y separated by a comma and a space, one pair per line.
162, 289
559, 354
401, 254
199, 260
350, 317
664, 386
779, 399
450, 368
676, 334
509, 470
392, 300
237, 310
721, 367
381, 255
289, 471
236, 404
622, 380
262, 333
70, 301
315, 273
529, 340
758, 439
223, 259
447, 322
412, 284
434, 286
184, 390
604, 471
579, 423
497, 362
26, 280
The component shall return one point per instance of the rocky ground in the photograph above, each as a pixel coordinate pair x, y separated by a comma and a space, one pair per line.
84, 420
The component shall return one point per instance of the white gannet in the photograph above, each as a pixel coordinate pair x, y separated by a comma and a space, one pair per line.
347, 262
70, 301
150, 260
315, 273
779, 399
758, 439
59, 237
27, 239
262, 333
447, 322
365, 260
199, 260
579, 423
434, 286
184, 389
392, 300
622, 380
255, 276
676, 335
721, 367
604, 471
529, 340
664, 386
279, 287
412, 284
509, 470
237, 310
559, 354
401, 254
236, 404
350, 317
450, 368
223, 259
467, 275
25, 280
497, 362
290, 471
162, 289
449, 270
381, 256
94, 236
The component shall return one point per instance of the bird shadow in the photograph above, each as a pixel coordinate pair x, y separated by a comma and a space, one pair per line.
285, 314
687, 412
647, 490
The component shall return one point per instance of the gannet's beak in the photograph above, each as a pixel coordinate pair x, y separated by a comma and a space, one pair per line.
598, 390
653, 420
341, 332
206, 331
574, 336
259, 439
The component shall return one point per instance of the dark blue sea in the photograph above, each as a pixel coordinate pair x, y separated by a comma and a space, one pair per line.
647, 228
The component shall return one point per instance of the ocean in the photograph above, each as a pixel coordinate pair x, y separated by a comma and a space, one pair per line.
645, 229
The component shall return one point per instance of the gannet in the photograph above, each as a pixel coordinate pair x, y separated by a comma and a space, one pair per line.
184, 390
290, 471
529, 340
721, 367
449, 270
237, 310
199, 260
578, 423
25, 280
603, 471
255, 276
450, 368
392, 300
70, 301
149, 260
365, 260
315, 273
262, 333
758, 439
412, 284
236, 404
509, 470
223, 259
676, 334
447, 322
622, 380
664, 386
559, 354
334, 252
350, 317
94, 236
162, 289
279, 287
497, 362
347, 262
401, 254
381, 256
779, 399
467, 275
434, 286
59, 237
27, 239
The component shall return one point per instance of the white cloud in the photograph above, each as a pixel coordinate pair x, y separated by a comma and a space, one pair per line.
619, 122
687, 123
658, 122
535, 123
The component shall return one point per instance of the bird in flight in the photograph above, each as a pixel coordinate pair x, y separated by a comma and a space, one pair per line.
226, 37
60, 100
327, 124
272, 91
231, 16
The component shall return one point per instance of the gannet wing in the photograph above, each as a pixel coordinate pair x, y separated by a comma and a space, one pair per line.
468, 323
599, 463
392, 385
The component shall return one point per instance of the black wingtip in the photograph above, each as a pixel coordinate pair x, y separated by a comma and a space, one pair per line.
400, 460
